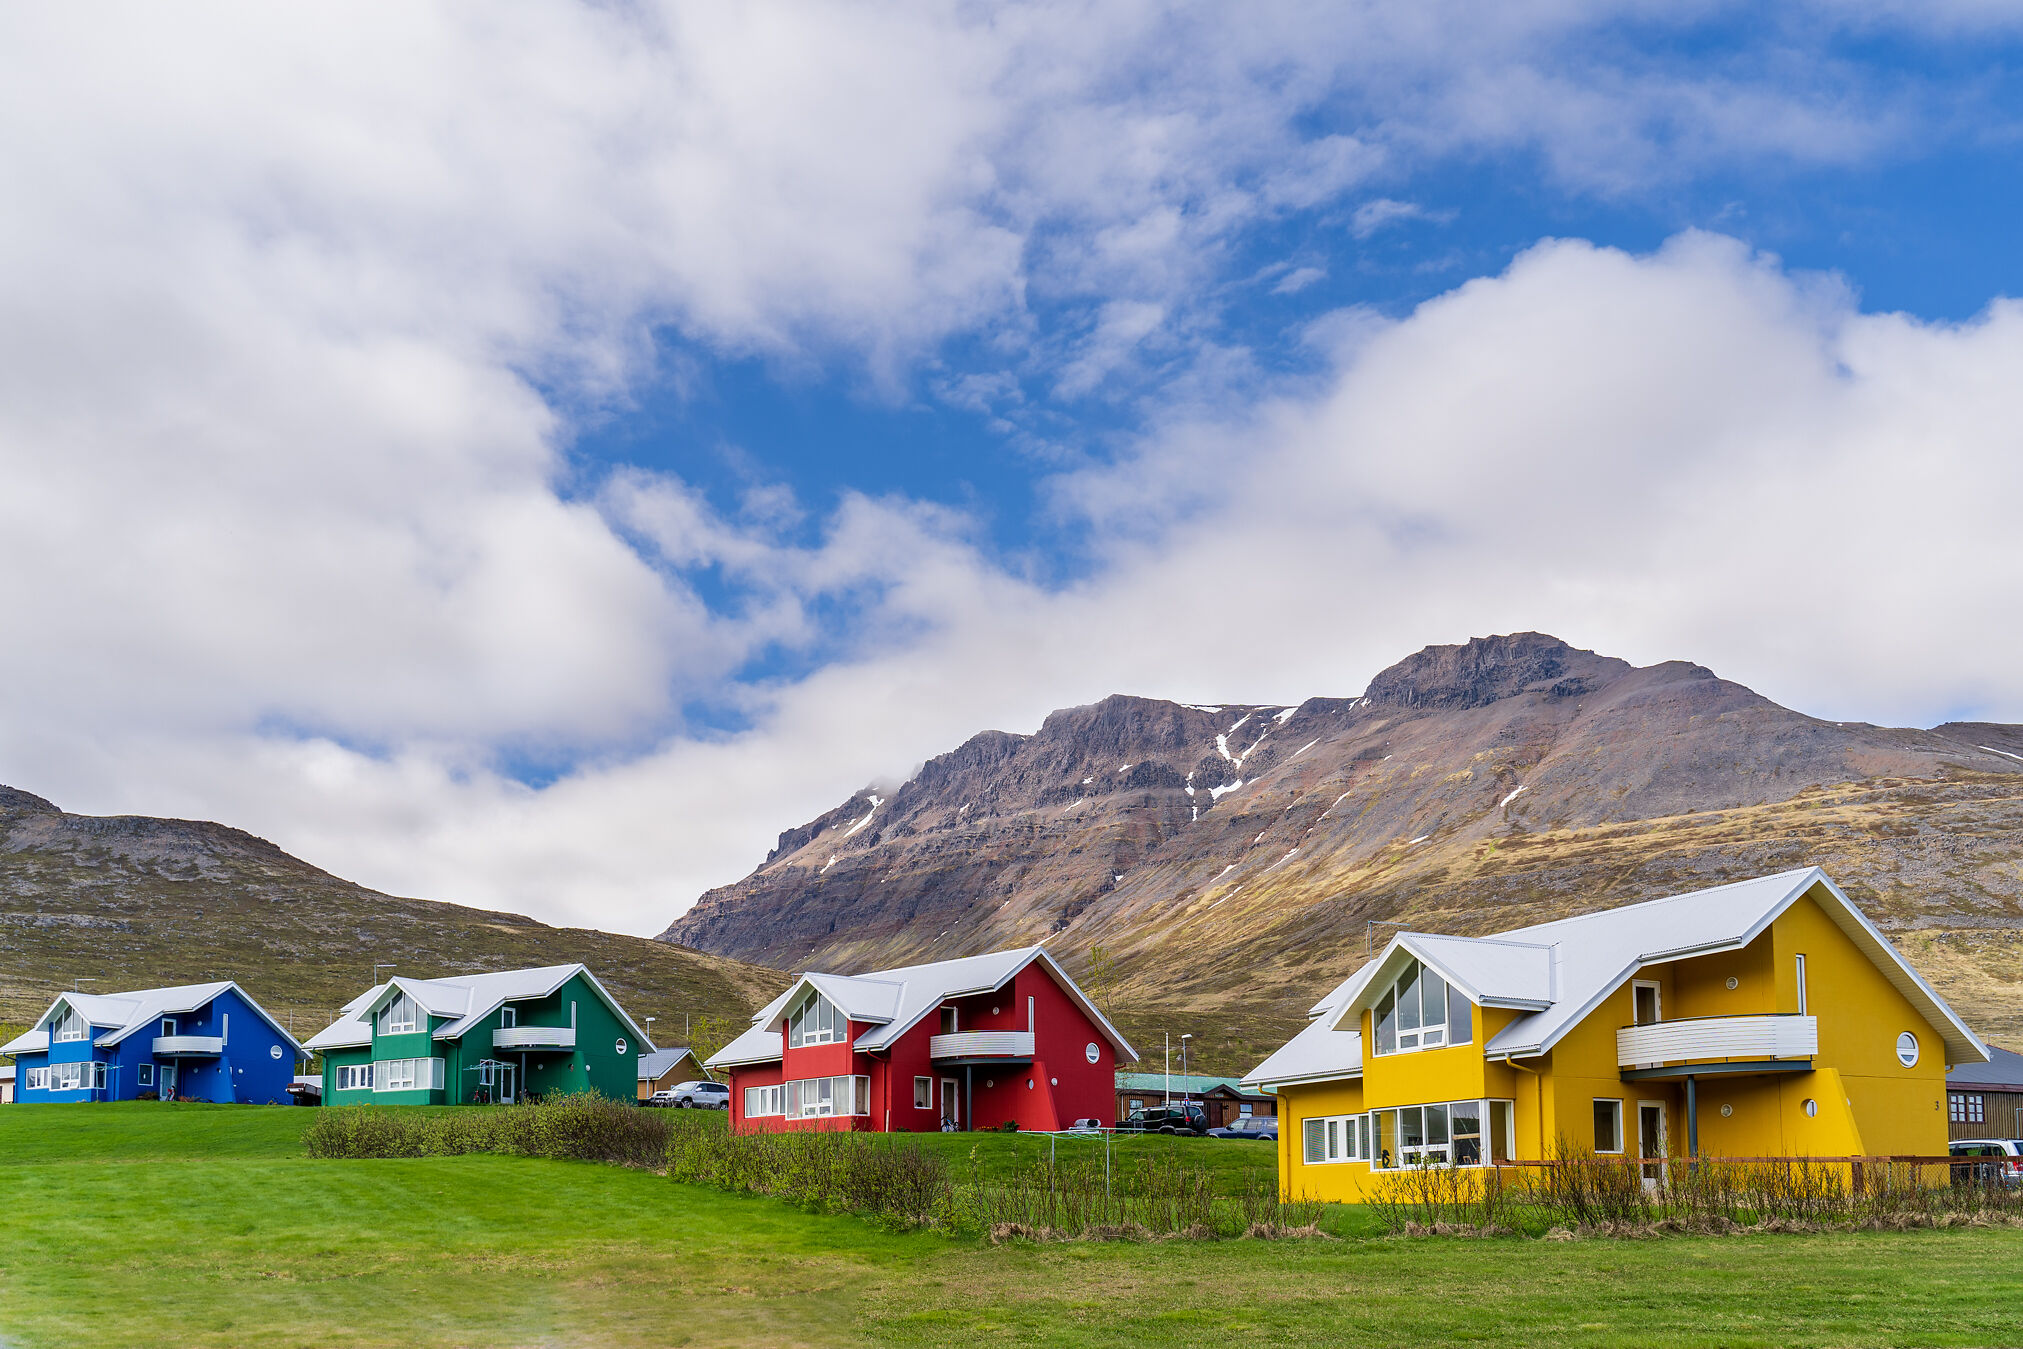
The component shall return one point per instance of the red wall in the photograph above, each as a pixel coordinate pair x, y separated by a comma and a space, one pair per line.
1064, 1085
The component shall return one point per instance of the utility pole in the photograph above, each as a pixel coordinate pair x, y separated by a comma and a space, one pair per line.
75, 982
377, 968
1169, 1066
1185, 1088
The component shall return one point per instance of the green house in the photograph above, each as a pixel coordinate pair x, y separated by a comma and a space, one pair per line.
481, 1039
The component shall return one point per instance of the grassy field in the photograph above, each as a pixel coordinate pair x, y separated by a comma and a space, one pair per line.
192, 1225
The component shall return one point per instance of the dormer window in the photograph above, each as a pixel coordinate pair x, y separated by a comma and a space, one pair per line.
399, 1016
816, 1022
69, 1026
1420, 1011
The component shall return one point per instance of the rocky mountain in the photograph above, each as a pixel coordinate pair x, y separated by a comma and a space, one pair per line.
1227, 863
130, 902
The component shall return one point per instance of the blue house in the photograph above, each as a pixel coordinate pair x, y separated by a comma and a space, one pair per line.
199, 1042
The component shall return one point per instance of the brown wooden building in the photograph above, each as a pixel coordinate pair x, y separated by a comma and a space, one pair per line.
1985, 1100
665, 1068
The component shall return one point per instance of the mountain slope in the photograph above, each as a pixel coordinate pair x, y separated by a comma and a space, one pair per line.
130, 901
1232, 859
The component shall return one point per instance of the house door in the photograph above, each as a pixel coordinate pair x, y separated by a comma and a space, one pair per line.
165, 1077
1651, 1139
951, 1105
502, 1083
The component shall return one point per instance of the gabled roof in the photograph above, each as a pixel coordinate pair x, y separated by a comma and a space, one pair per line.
1192, 1083
893, 1001
466, 999
659, 1061
1561, 971
122, 1014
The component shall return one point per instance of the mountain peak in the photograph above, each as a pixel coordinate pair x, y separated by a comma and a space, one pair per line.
1484, 670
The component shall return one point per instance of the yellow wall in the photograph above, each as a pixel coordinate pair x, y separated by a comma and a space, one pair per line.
1866, 1102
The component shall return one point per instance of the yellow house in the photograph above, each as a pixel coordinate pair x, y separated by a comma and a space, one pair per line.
1767, 1018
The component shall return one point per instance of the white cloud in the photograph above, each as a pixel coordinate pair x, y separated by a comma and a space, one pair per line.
291, 537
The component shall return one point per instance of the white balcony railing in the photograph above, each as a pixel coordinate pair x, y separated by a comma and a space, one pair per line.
982, 1044
1717, 1037
189, 1046
534, 1037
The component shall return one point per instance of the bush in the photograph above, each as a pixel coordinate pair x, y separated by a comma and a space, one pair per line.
583, 1127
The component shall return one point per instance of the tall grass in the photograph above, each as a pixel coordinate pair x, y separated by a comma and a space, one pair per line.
887, 1177
1578, 1191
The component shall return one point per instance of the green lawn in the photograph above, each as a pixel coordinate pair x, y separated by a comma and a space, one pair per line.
191, 1225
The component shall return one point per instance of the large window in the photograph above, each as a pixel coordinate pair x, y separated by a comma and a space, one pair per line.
38, 1079
399, 1016
1420, 1011
1608, 1125
407, 1075
76, 1076
1448, 1133
816, 1022
355, 1077
923, 1093
764, 1101
812, 1097
69, 1026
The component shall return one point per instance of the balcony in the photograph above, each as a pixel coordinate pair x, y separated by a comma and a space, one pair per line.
982, 1046
1715, 1045
523, 1039
189, 1046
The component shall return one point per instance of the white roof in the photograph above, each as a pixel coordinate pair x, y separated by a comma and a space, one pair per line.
121, 1014
894, 1001
6, 1072
465, 998
1561, 971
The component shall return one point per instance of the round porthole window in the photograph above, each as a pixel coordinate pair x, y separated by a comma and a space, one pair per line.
273, 1051
1053, 1081
621, 1044
993, 1011
990, 1081
1907, 1050
1726, 1111
1733, 983
1091, 1052
1811, 1108
1029, 1084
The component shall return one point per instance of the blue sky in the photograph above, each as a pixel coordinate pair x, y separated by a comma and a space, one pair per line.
532, 459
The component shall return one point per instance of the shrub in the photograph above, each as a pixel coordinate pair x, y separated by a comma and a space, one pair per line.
584, 1127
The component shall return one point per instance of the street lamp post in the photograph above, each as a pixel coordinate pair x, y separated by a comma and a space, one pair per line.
1185, 1089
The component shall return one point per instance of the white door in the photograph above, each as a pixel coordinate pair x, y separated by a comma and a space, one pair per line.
502, 1079
951, 1108
165, 1079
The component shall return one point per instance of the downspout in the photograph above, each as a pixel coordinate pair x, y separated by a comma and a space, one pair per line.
1539, 1096
969, 1097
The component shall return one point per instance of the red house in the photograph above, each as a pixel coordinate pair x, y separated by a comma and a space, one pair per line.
963, 1044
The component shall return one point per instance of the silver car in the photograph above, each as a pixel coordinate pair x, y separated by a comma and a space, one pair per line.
701, 1096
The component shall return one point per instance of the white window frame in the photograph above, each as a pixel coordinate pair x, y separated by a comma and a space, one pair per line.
1617, 1150
354, 1077
38, 1079
825, 1097
400, 1016
1799, 963
1489, 1111
1328, 1140
923, 1093
816, 1021
763, 1102
509, 1016
168, 1026
407, 1075
68, 1027
1657, 1001
1420, 1036
144, 1075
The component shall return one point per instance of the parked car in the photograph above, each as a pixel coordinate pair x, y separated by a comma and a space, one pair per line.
2003, 1167
1249, 1126
1181, 1117
700, 1096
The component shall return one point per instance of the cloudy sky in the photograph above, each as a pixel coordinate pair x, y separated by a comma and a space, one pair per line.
530, 455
